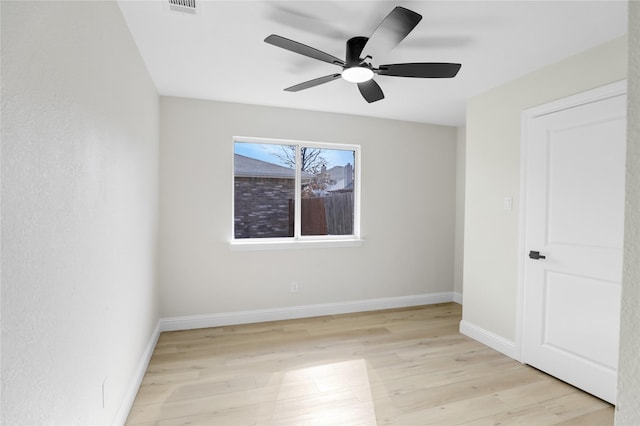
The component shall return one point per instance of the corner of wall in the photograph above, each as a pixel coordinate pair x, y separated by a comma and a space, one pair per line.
136, 379
461, 145
492, 340
628, 401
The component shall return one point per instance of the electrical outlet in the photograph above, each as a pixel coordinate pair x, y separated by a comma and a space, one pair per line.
294, 286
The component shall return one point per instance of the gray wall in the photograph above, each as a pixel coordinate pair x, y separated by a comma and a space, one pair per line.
461, 152
79, 208
628, 408
408, 212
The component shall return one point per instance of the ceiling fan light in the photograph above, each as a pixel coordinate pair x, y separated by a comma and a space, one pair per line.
357, 74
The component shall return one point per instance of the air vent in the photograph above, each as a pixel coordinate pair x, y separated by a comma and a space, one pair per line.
188, 6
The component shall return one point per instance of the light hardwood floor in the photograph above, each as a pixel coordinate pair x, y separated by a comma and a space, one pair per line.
396, 367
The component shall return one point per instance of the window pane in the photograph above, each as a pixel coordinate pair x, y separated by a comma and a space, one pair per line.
327, 191
264, 190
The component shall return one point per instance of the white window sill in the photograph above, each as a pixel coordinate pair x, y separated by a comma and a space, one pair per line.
293, 244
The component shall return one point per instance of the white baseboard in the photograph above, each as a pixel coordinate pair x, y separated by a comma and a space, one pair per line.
305, 311
492, 340
457, 297
136, 379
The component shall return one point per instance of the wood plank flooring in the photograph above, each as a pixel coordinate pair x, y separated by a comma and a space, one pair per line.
396, 367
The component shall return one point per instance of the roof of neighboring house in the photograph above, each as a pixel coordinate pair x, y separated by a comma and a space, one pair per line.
251, 167
340, 186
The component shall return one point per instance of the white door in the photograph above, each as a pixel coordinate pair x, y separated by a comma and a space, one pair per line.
575, 171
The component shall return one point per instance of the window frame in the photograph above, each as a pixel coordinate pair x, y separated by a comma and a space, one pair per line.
298, 240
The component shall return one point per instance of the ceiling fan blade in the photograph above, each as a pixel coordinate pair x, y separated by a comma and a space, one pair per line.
392, 30
421, 70
370, 91
312, 83
302, 49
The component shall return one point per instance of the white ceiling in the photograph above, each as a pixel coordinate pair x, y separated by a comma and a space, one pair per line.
219, 53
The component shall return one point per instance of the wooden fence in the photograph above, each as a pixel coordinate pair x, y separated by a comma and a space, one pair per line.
332, 215
339, 212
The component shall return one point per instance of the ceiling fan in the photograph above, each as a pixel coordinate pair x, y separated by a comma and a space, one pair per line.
356, 69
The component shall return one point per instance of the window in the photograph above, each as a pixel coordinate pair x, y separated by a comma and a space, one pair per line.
290, 191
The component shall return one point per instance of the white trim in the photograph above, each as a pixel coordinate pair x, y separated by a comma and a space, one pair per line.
136, 379
603, 92
273, 244
283, 141
297, 195
298, 240
457, 297
599, 93
524, 129
500, 344
304, 311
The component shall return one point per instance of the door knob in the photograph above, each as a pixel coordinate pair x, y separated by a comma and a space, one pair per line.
536, 255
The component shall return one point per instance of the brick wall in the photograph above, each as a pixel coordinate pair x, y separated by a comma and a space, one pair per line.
261, 207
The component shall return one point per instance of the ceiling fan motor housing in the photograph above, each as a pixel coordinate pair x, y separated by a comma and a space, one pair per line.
354, 50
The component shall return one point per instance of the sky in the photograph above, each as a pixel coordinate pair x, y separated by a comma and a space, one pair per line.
264, 152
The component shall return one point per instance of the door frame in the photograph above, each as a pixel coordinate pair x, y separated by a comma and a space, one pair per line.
593, 95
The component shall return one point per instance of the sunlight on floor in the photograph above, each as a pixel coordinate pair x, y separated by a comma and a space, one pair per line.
330, 394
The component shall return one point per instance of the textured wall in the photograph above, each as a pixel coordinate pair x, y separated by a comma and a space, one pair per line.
628, 408
408, 212
79, 205
491, 249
